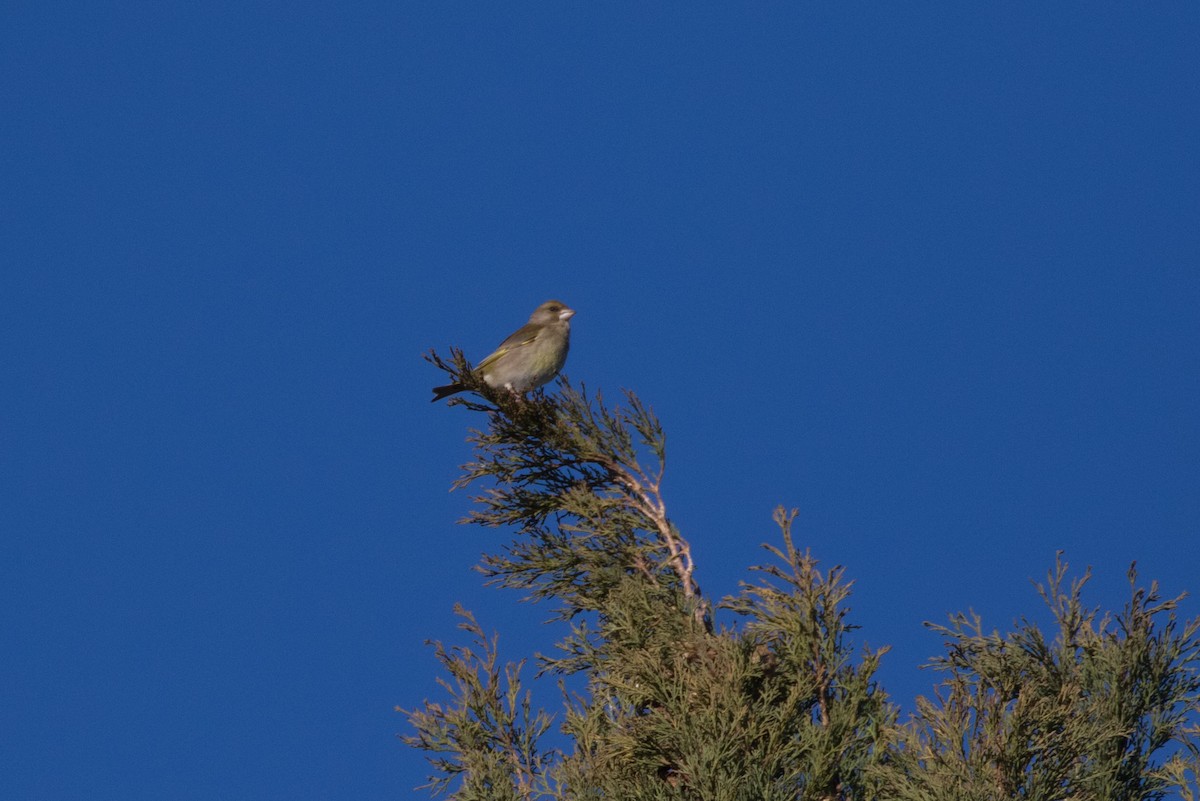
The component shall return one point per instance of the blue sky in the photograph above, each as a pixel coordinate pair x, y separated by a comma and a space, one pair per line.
929, 273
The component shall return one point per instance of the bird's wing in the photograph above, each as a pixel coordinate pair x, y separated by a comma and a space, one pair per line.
522, 336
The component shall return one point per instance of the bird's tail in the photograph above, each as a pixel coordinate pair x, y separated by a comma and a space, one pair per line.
446, 391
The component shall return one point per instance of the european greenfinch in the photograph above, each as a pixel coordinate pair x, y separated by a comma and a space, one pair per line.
531, 356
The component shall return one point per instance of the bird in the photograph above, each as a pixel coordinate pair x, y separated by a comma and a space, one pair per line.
531, 356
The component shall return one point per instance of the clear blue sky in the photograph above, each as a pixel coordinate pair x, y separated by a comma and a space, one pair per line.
929, 273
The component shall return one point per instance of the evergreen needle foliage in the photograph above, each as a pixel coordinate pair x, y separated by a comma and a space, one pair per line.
779, 704
1081, 716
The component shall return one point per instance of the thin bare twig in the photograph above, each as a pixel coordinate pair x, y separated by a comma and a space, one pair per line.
645, 497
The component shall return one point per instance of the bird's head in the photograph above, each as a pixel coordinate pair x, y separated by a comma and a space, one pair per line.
552, 311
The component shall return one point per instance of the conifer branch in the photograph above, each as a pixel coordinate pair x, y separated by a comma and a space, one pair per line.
564, 468
487, 738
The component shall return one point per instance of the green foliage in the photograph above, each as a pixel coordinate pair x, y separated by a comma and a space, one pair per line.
487, 737
1080, 717
581, 483
780, 705
775, 710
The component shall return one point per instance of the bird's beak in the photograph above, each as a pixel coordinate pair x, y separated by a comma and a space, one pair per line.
566, 314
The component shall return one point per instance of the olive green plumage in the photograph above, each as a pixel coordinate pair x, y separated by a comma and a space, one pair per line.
531, 356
